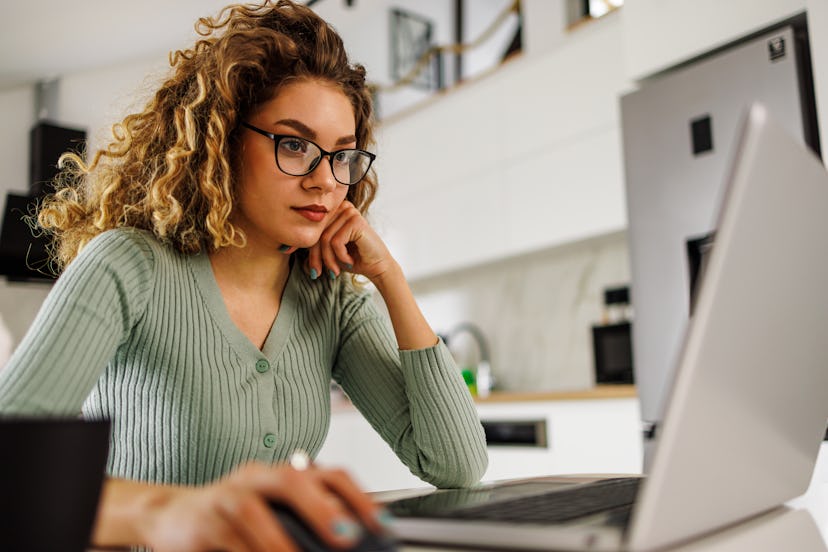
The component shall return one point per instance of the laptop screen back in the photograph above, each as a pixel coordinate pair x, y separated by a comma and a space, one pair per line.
749, 404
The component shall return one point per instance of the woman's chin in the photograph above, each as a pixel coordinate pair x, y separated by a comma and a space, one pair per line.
304, 242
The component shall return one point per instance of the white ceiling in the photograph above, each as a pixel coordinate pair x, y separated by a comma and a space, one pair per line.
43, 39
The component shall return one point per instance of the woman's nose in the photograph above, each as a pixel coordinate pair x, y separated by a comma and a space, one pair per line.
322, 175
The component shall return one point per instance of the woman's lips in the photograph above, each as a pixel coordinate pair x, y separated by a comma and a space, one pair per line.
315, 213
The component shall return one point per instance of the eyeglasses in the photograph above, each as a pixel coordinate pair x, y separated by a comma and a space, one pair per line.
297, 157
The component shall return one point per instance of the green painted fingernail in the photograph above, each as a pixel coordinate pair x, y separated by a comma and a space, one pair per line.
385, 518
349, 266
332, 274
346, 529
314, 274
284, 247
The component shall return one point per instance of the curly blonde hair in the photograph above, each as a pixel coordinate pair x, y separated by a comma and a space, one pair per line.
169, 169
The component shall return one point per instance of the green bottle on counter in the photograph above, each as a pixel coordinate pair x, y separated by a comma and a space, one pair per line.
468, 377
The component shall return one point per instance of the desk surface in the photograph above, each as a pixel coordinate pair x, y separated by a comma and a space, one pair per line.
801, 524
775, 531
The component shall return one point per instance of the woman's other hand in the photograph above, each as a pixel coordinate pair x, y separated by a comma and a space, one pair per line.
349, 242
234, 514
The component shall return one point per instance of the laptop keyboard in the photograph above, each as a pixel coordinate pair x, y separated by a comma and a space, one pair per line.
614, 495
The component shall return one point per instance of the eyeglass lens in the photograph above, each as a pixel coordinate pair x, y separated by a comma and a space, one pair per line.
298, 157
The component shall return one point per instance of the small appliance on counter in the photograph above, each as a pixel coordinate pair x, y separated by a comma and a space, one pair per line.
612, 341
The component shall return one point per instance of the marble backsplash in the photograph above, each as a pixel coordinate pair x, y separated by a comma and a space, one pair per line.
536, 311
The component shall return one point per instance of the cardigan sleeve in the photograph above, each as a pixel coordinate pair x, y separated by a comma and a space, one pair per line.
416, 400
86, 316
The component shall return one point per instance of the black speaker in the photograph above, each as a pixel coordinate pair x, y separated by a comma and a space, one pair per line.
612, 351
23, 254
51, 475
47, 142
612, 339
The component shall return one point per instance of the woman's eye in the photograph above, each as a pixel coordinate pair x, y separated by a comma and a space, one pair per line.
343, 157
293, 145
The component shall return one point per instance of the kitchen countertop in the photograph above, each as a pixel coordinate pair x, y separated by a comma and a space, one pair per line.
340, 403
597, 392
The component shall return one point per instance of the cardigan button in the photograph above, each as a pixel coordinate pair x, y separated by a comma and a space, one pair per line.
269, 440
262, 366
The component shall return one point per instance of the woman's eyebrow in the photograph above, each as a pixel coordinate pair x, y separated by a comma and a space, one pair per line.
299, 127
309, 133
346, 140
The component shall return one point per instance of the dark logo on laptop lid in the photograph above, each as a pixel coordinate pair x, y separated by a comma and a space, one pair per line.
776, 48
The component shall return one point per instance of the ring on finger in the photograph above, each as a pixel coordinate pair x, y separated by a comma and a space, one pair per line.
299, 460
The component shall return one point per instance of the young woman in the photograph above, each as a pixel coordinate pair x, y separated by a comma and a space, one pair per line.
207, 299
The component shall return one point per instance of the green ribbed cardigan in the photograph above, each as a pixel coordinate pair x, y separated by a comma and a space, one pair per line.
138, 333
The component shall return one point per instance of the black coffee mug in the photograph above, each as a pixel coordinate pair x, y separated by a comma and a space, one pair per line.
51, 473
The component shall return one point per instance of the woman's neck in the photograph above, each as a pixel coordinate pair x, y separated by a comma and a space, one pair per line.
245, 268
251, 286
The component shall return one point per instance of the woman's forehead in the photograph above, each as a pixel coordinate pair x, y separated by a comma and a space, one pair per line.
323, 108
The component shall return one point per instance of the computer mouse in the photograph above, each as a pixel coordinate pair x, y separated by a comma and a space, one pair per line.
307, 540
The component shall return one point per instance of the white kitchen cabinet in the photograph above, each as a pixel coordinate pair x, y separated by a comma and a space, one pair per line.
659, 34
523, 159
583, 436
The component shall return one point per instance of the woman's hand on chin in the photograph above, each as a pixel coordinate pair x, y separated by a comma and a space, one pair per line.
351, 244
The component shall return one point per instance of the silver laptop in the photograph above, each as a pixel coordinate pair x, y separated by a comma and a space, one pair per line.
748, 407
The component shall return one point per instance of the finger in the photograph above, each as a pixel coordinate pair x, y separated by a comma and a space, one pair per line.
326, 515
350, 233
336, 230
309, 498
253, 520
315, 261
354, 499
338, 248
349, 230
316, 265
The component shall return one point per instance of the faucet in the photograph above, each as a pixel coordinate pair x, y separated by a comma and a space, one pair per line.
483, 372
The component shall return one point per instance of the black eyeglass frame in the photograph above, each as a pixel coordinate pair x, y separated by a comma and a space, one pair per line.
329, 154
